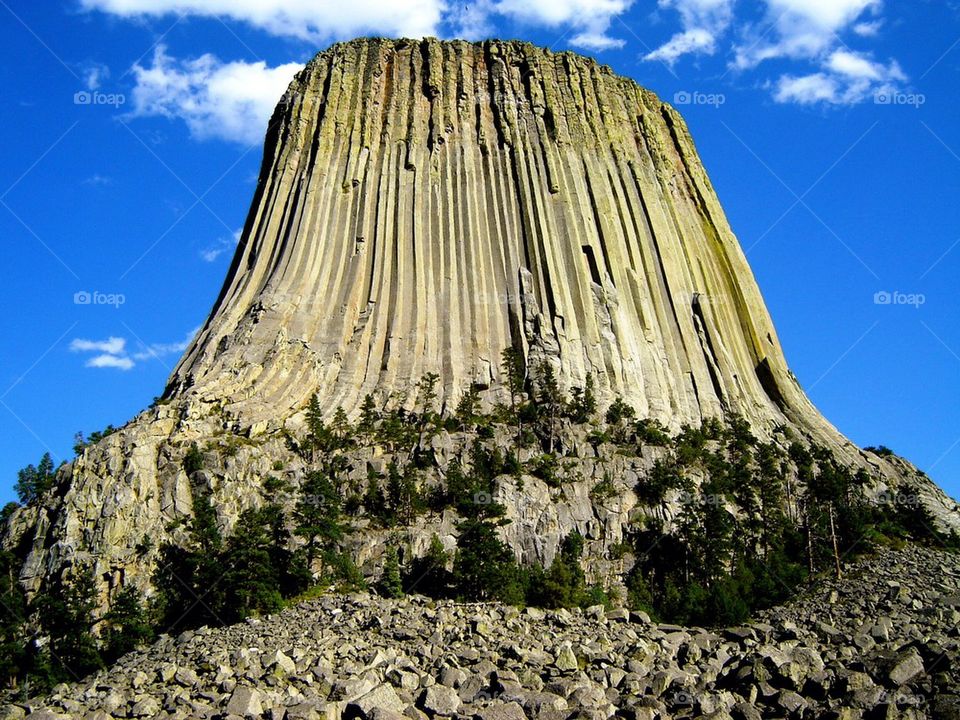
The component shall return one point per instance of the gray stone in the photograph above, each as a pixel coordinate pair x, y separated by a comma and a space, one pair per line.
382, 696
501, 711
907, 668
245, 701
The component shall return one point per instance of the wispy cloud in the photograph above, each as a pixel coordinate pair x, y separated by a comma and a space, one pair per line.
94, 74
112, 352
807, 32
110, 361
98, 180
112, 345
222, 245
304, 19
161, 350
846, 78
703, 21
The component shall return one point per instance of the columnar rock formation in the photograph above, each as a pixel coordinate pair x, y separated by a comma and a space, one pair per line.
423, 205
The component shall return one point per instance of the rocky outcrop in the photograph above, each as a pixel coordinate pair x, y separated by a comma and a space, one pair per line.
422, 206
883, 643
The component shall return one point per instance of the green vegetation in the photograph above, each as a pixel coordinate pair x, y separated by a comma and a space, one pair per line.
81, 442
755, 521
34, 481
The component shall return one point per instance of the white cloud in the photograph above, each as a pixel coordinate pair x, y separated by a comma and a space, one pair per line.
596, 41
689, 41
318, 22
159, 350
112, 352
112, 345
221, 246
847, 78
98, 180
312, 20
94, 74
868, 29
110, 361
703, 21
231, 101
591, 18
802, 29
806, 90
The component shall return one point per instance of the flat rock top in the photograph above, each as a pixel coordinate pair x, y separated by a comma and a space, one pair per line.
883, 640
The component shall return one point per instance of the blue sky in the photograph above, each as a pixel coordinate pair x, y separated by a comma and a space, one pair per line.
132, 131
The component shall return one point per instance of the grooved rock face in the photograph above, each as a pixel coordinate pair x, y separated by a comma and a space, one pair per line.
421, 207
424, 205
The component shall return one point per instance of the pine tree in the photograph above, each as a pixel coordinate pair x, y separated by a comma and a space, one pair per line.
583, 403
484, 568
564, 584
428, 575
251, 580
515, 372
66, 608
391, 584
467, 407
550, 403
33, 482
189, 578
127, 625
369, 417
13, 630
340, 429
374, 501
319, 515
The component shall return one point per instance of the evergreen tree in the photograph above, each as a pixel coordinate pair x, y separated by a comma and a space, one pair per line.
251, 580
391, 584
484, 568
66, 607
374, 500
428, 575
515, 372
189, 578
550, 404
467, 407
318, 514
403, 493
369, 417
341, 431
618, 416
34, 481
583, 403
14, 660
127, 625
564, 584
